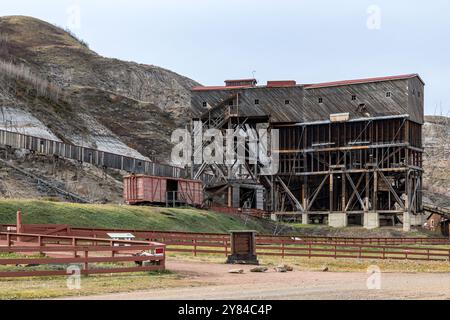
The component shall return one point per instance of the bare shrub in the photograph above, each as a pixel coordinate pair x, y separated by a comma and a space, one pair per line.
3, 44
43, 87
74, 36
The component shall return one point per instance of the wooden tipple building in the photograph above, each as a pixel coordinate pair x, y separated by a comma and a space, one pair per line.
350, 152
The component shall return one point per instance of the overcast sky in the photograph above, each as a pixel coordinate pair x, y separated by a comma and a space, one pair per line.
308, 41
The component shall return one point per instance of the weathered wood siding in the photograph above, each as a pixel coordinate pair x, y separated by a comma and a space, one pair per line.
272, 102
316, 103
146, 189
416, 94
371, 100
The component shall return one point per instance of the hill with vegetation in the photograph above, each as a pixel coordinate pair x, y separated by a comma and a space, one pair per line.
170, 219
126, 217
436, 136
52, 85
65, 90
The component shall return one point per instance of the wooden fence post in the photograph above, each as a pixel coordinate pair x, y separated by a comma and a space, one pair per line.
86, 263
8, 241
40, 245
195, 247
225, 243
74, 244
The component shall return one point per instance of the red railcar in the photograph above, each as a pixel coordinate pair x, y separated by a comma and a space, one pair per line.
141, 189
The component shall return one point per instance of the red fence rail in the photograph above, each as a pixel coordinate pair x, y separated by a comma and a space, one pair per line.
295, 248
48, 250
287, 246
292, 248
156, 235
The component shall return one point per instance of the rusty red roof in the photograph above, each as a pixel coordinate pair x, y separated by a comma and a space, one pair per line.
359, 81
221, 88
241, 80
282, 83
288, 83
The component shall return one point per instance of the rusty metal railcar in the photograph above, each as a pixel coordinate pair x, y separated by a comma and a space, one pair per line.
154, 190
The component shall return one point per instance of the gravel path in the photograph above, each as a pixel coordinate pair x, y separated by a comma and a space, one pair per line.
216, 283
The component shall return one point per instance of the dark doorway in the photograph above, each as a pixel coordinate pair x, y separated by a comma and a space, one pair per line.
319, 219
355, 220
247, 198
172, 190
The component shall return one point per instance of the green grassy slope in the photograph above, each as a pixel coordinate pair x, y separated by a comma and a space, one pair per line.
123, 217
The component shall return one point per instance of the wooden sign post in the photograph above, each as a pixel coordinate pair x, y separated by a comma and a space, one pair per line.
243, 248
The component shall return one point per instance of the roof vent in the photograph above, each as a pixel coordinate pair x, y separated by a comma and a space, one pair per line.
241, 83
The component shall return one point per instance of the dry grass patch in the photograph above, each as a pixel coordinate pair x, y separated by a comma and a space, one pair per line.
55, 287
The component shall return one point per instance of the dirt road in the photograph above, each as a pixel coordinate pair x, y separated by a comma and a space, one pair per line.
212, 281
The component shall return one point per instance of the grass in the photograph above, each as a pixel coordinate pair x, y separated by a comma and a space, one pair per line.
166, 219
123, 217
54, 287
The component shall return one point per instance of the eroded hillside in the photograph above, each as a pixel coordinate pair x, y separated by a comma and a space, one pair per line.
437, 159
81, 97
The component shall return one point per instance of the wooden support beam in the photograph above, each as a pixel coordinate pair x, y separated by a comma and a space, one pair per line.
331, 195
414, 197
200, 171
375, 191
367, 188
316, 193
297, 203
305, 193
355, 192
393, 192
344, 193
